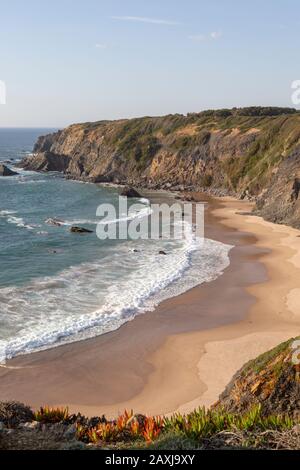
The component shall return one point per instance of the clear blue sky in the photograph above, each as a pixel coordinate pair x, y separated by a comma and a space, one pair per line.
67, 61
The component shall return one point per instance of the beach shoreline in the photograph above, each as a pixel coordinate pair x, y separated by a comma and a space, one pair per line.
184, 353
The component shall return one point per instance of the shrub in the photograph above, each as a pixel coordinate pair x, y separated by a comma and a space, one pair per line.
122, 421
106, 432
193, 427
203, 423
47, 414
152, 428
14, 413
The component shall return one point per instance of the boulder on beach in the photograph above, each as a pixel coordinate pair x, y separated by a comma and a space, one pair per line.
5, 171
80, 230
129, 192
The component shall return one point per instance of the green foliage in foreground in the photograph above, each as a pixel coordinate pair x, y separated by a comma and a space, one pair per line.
200, 429
205, 423
181, 431
50, 415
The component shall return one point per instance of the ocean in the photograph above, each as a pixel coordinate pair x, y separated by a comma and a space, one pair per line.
57, 286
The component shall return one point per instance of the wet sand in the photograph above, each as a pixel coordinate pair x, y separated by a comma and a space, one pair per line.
185, 352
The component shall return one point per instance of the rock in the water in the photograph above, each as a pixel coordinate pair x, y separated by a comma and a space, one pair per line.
162, 252
46, 161
80, 230
5, 171
54, 222
129, 192
55, 250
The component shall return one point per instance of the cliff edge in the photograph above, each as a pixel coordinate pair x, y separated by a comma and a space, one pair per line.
249, 152
271, 380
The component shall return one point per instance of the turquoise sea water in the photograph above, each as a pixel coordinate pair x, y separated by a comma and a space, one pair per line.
56, 286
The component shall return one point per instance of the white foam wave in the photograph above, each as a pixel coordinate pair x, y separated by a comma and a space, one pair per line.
18, 221
23, 180
143, 212
94, 298
7, 212
42, 232
144, 200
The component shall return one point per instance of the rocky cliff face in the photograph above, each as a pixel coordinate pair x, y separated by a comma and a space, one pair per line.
280, 201
271, 380
250, 152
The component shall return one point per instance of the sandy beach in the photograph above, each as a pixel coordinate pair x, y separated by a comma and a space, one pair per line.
184, 353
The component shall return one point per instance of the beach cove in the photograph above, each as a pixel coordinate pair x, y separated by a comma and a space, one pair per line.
184, 353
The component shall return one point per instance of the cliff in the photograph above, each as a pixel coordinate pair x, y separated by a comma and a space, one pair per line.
249, 152
271, 380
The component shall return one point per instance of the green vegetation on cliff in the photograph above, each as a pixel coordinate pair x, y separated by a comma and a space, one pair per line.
245, 144
250, 152
272, 380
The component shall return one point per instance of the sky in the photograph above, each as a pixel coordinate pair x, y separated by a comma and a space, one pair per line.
66, 61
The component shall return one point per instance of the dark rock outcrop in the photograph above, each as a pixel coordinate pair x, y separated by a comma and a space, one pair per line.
129, 192
46, 161
54, 222
280, 202
45, 142
5, 171
80, 230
